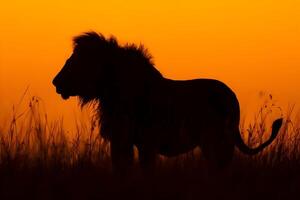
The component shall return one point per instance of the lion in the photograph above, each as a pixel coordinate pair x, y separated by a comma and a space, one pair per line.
138, 106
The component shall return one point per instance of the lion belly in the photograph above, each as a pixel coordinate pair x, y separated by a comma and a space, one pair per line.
174, 149
182, 135
176, 133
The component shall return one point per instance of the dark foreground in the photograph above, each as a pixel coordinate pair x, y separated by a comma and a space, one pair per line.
176, 179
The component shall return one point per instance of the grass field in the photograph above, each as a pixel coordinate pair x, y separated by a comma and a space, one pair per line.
39, 160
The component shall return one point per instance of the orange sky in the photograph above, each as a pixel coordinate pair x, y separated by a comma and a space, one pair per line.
252, 45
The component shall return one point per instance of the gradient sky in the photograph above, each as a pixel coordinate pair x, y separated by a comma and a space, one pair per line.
251, 45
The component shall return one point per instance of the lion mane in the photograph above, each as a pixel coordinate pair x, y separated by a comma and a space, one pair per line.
138, 106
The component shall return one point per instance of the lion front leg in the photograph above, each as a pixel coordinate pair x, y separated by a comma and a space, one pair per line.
121, 157
147, 158
121, 145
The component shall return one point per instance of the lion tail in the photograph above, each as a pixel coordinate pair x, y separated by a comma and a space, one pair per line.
252, 151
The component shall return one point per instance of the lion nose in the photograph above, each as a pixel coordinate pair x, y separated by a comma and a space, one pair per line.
55, 81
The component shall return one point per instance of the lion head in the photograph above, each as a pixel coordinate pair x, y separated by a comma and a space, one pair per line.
86, 71
99, 68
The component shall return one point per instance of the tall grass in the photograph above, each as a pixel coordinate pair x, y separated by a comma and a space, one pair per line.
31, 140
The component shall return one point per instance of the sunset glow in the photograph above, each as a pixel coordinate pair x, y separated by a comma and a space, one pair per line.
252, 46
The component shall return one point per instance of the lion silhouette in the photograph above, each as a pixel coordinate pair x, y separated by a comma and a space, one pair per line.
138, 106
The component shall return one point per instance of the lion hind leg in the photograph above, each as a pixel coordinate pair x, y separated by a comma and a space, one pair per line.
147, 158
218, 152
